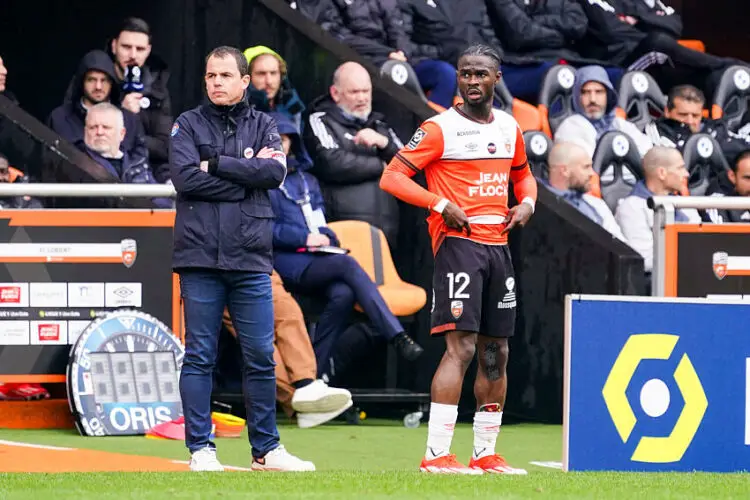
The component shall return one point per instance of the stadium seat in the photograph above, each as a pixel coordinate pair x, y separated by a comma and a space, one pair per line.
370, 249
731, 95
403, 74
526, 115
556, 97
704, 161
618, 165
538, 145
640, 99
697, 45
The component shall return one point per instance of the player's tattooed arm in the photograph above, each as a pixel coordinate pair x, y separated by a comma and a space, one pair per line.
491, 366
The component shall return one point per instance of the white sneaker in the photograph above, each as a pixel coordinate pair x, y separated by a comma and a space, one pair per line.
204, 460
307, 420
317, 397
280, 460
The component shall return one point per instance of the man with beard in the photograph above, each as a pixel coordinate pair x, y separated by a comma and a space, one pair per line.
570, 176
469, 154
95, 83
594, 101
736, 182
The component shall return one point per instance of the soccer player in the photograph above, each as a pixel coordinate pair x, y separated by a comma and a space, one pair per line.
469, 153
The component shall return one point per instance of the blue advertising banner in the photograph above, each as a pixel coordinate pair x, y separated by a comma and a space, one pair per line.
656, 384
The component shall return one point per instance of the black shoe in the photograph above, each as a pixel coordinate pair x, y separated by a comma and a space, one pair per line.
406, 347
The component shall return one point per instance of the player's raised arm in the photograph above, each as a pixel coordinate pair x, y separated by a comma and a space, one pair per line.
425, 146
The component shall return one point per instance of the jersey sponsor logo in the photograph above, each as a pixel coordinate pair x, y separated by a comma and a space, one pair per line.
491, 148
418, 136
490, 185
463, 133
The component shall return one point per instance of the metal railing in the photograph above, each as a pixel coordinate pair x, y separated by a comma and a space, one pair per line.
73, 190
664, 209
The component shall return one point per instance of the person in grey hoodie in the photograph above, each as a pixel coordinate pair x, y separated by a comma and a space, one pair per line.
594, 101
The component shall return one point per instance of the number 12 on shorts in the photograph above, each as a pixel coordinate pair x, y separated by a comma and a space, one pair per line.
457, 283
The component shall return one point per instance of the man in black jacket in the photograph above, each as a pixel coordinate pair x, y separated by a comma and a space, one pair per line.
536, 35
683, 117
145, 94
622, 31
736, 182
352, 144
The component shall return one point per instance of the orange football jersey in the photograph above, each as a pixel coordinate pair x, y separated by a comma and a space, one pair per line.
471, 165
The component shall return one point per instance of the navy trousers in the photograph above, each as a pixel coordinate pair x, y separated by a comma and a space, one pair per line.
344, 283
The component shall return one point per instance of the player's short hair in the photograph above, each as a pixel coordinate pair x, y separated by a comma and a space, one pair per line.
226, 51
685, 92
482, 50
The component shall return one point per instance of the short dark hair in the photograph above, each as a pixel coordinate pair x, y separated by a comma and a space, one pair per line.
482, 51
136, 25
737, 159
226, 51
687, 93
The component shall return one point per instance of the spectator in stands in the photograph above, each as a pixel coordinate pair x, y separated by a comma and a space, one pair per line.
623, 31
683, 117
103, 136
665, 174
270, 88
323, 269
570, 176
94, 83
536, 35
3, 81
131, 48
9, 174
736, 182
352, 145
297, 390
594, 102
375, 29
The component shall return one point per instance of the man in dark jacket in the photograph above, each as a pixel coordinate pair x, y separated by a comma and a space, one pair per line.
301, 224
622, 31
225, 156
736, 182
375, 29
683, 117
352, 144
536, 35
95, 82
102, 138
143, 77
9, 174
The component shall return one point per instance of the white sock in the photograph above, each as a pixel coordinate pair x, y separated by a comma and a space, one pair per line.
440, 429
486, 429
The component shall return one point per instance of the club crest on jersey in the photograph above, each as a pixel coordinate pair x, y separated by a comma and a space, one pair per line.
491, 148
416, 138
507, 145
457, 308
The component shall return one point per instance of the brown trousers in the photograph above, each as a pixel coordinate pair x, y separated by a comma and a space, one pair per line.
292, 349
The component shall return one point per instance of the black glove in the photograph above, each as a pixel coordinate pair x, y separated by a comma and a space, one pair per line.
208, 153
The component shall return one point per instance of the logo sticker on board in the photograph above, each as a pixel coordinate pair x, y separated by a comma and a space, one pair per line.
129, 249
721, 261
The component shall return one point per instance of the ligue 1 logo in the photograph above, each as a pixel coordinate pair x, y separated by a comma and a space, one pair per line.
129, 250
721, 261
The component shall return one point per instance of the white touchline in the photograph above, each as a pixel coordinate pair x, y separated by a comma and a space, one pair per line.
549, 465
31, 445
